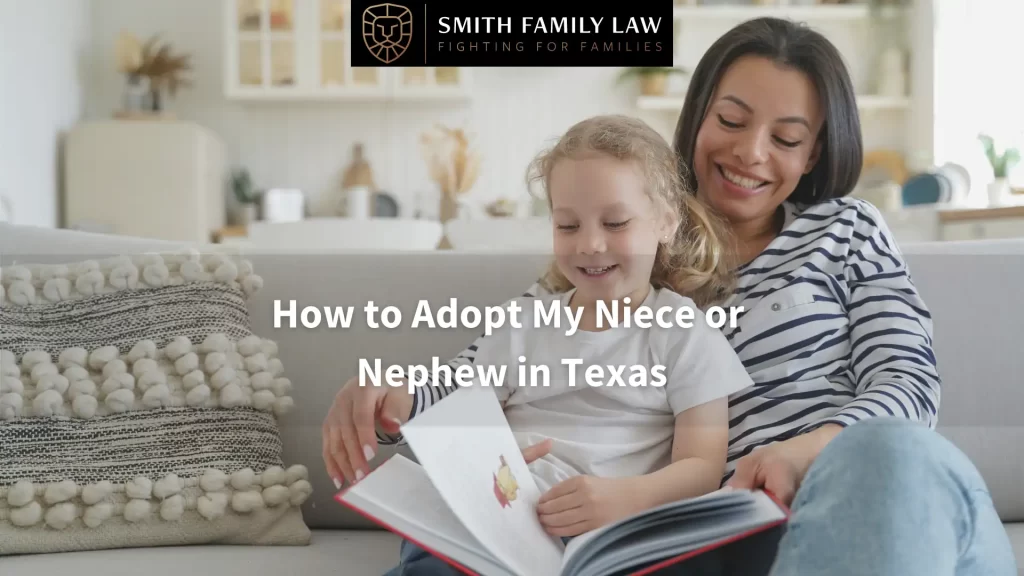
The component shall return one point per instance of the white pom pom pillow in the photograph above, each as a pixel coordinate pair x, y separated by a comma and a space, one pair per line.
137, 408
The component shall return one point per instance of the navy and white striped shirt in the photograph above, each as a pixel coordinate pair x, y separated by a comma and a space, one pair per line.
833, 331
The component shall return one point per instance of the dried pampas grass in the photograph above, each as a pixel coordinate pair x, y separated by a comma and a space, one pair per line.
450, 161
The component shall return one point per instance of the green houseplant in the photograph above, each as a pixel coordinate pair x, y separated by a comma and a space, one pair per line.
1002, 162
653, 79
246, 197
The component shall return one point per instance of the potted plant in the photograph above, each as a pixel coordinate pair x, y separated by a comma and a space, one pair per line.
246, 198
1002, 162
653, 80
150, 69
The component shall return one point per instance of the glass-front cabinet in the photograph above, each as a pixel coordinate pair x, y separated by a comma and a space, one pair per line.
335, 56
301, 49
439, 79
265, 40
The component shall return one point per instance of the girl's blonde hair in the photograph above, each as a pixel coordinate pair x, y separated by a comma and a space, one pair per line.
695, 262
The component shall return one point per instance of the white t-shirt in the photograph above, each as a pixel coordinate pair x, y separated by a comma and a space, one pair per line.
610, 430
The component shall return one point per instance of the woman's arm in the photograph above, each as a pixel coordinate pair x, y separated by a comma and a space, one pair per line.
891, 355
432, 392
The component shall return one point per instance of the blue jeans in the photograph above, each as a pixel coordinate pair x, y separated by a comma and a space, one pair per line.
885, 497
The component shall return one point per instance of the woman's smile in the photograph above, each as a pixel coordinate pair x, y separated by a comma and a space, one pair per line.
739, 183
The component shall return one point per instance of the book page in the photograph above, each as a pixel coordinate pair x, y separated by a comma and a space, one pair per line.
670, 531
467, 449
724, 495
398, 495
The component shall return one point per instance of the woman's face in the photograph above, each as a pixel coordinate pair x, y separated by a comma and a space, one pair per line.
759, 136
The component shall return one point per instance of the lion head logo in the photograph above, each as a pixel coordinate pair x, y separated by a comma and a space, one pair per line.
387, 31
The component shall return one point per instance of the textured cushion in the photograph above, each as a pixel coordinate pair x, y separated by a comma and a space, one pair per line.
138, 408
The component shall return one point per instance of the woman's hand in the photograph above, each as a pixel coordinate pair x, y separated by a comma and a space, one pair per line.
780, 468
584, 503
349, 433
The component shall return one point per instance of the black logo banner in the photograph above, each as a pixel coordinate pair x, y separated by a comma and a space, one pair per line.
523, 33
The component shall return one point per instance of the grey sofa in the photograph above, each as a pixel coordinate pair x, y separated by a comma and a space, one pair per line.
973, 290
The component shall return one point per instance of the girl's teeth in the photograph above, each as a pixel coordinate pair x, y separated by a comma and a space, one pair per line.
596, 270
740, 180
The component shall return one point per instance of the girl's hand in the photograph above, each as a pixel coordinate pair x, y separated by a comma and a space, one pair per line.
780, 468
538, 450
584, 503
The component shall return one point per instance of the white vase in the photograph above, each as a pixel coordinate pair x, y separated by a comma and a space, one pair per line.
998, 189
358, 203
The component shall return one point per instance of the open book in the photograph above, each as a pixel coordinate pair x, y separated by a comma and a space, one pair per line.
470, 500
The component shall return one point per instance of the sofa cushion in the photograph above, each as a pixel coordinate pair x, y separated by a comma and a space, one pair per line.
330, 552
978, 327
973, 292
1016, 532
138, 408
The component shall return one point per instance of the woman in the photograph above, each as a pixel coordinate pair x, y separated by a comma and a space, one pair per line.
833, 334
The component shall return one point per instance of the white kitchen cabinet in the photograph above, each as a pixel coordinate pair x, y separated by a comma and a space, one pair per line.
279, 50
913, 224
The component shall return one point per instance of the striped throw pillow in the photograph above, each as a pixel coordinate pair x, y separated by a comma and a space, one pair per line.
137, 408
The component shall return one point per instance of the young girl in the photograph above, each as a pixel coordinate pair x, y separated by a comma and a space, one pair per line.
639, 416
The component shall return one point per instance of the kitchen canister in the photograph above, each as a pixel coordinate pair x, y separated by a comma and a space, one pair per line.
927, 188
283, 205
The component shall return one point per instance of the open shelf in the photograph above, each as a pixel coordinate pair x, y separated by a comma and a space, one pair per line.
794, 12
864, 102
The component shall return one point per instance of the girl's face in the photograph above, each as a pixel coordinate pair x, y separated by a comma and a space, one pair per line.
606, 228
758, 137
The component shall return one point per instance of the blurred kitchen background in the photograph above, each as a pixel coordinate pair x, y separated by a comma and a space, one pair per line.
241, 121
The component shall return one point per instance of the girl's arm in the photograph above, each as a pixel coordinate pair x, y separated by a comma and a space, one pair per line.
698, 457
583, 503
702, 370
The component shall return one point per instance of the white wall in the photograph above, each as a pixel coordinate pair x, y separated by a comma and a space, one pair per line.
514, 111
42, 48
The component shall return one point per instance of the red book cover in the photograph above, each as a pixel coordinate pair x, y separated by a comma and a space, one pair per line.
646, 570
